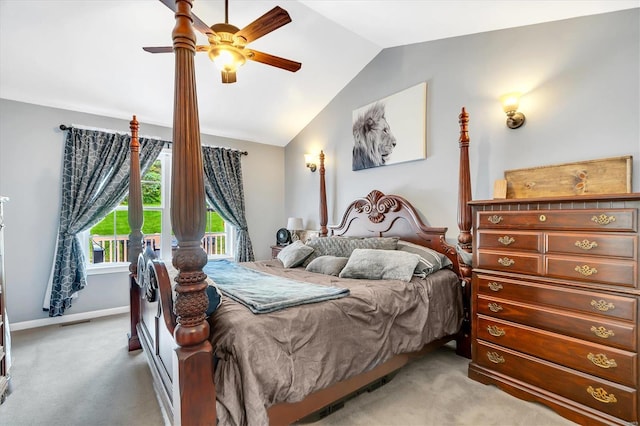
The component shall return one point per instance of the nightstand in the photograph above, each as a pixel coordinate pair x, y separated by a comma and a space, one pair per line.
275, 250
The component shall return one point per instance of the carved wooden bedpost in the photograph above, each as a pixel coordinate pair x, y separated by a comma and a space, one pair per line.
135, 199
464, 225
323, 199
135, 236
195, 388
464, 189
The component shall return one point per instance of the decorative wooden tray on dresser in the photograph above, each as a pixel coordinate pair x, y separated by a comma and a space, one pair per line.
556, 303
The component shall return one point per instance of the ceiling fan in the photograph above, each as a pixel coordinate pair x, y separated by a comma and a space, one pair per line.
227, 43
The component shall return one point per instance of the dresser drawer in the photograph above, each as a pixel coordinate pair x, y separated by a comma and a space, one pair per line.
593, 270
588, 302
579, 220
611, 398
624, 246
510, 262
600, 330
512, 240
603, 361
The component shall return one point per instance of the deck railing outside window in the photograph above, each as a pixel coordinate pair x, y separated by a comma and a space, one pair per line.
110, 249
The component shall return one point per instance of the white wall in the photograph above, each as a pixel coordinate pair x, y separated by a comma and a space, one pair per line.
31, 148
581, 85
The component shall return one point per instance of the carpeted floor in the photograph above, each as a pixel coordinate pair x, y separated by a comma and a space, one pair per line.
79, 375
83, 375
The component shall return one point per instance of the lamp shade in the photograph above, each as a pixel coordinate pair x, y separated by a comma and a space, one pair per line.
308, 159
510, 101
294, 223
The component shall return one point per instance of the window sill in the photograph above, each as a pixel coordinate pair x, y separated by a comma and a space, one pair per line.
219, 257
114, 268
110, 268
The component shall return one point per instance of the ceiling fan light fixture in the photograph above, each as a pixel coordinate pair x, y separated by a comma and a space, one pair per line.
226, 58
227, 42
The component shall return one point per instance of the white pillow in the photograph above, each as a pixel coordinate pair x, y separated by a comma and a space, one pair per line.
327, 265
294, 254
374, 264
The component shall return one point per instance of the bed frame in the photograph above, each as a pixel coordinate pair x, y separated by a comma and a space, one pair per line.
175, 334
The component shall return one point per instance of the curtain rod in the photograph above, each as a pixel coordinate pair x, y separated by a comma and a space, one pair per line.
65, 127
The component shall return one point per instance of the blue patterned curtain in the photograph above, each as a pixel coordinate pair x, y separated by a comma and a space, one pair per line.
225, 191
95, 179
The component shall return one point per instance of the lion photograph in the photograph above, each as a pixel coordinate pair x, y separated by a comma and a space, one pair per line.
372, 137
390, 130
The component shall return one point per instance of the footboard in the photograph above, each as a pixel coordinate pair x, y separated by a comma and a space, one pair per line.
151, 293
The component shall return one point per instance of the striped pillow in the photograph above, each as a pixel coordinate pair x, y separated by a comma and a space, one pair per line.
430, 260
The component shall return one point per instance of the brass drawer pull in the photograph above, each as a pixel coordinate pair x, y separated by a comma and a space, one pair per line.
505, 261
585, 270
495, 357
603, 305
603, 219
494, 286
506, 240
586, 244
495, 219
602, 332
496, 331
601, 395
494, 307
542, 218
602, 361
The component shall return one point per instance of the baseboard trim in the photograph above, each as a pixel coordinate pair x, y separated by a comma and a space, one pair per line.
24, 325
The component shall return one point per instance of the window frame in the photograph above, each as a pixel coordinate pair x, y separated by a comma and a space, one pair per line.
166, 158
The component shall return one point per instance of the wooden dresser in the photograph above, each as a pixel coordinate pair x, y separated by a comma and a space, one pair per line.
556, 303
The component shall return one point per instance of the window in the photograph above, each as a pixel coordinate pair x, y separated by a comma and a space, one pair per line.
107, 242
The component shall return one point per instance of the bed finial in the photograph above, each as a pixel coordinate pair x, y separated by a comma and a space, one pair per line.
323, 199
464, 237
464, 188
135, 199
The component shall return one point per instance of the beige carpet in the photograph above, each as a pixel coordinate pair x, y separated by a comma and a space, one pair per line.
83, 375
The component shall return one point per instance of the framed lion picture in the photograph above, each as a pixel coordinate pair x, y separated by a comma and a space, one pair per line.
391, 130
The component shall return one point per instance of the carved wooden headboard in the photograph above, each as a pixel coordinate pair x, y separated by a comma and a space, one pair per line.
380, 215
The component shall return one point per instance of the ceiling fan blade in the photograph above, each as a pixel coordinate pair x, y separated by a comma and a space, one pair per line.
163, 49
197, 22
169, 49
268, 22
272, 60
228, 76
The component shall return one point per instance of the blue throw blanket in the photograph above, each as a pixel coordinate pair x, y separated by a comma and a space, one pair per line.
263, 293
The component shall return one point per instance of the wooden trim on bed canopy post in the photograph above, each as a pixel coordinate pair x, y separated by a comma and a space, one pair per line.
323, 199
135, 236
194, 400
463, 346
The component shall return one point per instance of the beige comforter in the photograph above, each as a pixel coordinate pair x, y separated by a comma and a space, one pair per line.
286, 355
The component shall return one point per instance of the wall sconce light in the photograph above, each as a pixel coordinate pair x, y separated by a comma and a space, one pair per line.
310, 161
510, 104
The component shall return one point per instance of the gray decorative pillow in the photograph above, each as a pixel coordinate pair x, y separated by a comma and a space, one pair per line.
328, 265
294, 254
466, 257
430, 260
344, 246
380, 265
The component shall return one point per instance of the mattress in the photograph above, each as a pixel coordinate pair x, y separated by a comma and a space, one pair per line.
283, 356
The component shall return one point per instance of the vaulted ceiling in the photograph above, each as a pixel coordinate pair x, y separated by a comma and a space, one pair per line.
87, 55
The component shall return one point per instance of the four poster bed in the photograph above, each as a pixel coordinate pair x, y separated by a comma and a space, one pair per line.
237, 367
